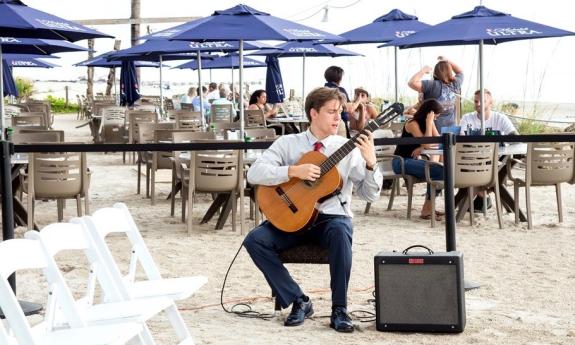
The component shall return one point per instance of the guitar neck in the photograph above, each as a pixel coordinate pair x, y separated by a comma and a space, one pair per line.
385, 117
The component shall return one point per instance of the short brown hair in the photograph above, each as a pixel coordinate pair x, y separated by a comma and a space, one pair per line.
443, 72
485, 91
333, 74
320, 96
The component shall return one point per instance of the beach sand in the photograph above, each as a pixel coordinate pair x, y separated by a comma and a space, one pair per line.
527, 277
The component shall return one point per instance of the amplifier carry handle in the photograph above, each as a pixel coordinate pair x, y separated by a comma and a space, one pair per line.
406, 250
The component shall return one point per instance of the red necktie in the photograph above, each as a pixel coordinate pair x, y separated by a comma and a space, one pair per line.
317, 146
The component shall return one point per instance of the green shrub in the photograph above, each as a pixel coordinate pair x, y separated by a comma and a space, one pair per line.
535, 127
59, 105
25, 87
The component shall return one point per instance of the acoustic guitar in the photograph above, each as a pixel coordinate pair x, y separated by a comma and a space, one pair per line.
292, 206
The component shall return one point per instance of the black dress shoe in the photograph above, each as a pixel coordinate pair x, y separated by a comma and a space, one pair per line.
340, 321
299, 311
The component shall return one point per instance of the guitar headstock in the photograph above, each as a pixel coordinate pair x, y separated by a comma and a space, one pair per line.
385, 116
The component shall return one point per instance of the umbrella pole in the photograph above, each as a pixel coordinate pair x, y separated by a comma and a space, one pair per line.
303, 83
115, 88
2, 121
241, 89
233, 91
161, 91
482, 93
200, 91
396, 81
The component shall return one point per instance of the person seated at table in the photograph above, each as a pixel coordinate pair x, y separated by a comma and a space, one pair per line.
493, 119
421, 125
187, 98
213, 92
333, 228
223, 99
206, 104
259, 100
361, 110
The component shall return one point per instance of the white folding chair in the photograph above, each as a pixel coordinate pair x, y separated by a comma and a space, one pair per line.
67, 236
20, 254
118, 219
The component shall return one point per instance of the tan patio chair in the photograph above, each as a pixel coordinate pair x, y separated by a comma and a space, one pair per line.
216, 172
546, 164
146, 136
475, 166
11, 111
28, 121
180, 179
57, 176
190, 120
38, 136
44, 108
136, 118
255, 118
385, 156
222, 113
221, 128
260, 133
187, 106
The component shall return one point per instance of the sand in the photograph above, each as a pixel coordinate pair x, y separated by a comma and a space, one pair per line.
526, 276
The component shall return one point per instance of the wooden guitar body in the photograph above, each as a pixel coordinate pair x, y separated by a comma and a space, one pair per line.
291, 206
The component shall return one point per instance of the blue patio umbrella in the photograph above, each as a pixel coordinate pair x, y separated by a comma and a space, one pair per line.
274, 82
35, 46
16, 60
242, 23
304, 49
393, 25
479, 26
10, 88
160, 49
101, 61
129, 87
223, 62
19, 20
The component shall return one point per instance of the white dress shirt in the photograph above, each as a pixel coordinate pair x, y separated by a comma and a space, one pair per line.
272, 169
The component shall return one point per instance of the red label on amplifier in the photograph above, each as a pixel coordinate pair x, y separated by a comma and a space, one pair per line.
416, 261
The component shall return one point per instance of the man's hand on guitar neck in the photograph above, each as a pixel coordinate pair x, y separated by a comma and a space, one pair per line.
365, 145
310, 172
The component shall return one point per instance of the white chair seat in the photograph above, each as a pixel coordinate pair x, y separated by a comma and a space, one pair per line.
138, 311
114, 334
174, 288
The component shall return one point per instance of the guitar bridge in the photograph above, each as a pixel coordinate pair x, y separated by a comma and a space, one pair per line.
286, 199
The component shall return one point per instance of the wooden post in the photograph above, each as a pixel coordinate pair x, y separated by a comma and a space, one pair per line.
90, 80
135, 28
112, 73
66, 88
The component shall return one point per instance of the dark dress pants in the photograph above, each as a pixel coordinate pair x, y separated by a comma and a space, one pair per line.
333, 232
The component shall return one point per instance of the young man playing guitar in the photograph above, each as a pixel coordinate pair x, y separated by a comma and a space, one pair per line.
332, 228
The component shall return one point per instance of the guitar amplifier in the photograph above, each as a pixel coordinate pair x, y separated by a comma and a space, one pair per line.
419, 291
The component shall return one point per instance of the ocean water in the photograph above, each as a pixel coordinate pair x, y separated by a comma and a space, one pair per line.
559, 114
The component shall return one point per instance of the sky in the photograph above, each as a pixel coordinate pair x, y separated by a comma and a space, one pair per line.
534, 70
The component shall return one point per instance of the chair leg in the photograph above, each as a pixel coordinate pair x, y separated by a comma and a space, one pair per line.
87, 203
30, 219
398, 187
485, 197
184, 200
60, 207
394, 189
173, 193
432, 207
177, 323
559, 203
471, 211
409, 197
528, 202
191, 196
516, 198
367, 207
498, 205
79, 205
147, 180
153, 186
139, 176
233, 200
